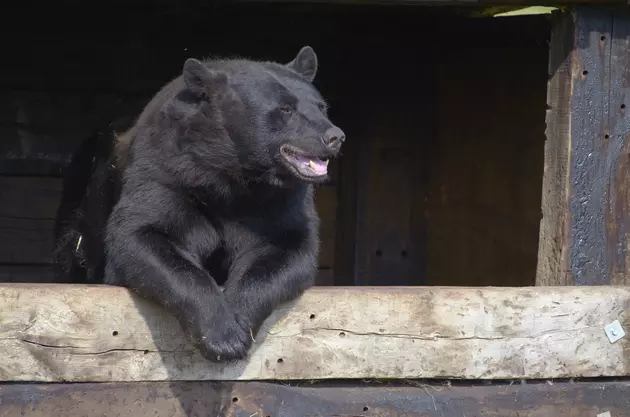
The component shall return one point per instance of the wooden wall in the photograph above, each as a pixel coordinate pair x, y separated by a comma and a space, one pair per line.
27, 218
486, 158
75, 85
450, 171
439, 181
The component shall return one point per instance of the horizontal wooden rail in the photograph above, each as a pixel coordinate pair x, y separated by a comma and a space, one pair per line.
451, 2
98, 333
266, 399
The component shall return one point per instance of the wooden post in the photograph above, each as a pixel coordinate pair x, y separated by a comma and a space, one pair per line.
586, 189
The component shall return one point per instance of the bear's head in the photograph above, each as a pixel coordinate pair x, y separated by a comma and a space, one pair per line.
267, 116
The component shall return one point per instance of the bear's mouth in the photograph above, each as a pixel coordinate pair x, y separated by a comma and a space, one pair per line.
309, 166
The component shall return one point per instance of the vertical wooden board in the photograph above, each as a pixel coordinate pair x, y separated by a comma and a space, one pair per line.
388, 255
351, 117
553, 264
589, 170
326, 205
584, 232
346, 225
485, 168
391, 195
617, 219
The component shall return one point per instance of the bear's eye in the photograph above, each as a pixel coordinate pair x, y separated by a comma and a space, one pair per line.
286, 109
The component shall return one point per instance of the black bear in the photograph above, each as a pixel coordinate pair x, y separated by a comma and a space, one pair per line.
205, 205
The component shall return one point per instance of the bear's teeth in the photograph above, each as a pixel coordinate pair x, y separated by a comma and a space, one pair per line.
311, 164
327, 161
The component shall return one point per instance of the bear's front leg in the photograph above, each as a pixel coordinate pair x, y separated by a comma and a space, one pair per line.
259, 283
153, 267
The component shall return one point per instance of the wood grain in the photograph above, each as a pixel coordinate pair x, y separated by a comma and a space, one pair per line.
326, 205
261, 399
552, 256
392, 184
486, 168
99, 333
617, 223
584, 237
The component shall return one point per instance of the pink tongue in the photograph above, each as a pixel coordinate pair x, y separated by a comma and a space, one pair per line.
317, 165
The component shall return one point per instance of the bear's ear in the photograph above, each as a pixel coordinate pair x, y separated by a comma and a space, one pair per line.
200, 79
305, 63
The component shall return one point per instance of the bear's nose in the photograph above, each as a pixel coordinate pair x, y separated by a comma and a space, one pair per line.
334, 137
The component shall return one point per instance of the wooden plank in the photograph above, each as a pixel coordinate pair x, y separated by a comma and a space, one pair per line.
260, 399
39, 130
101, 333
346, 216
617, 224
484, 204
30, 204
25, 150
385, 251
26, 274
583, 239
326, 205
353, 118
449, 2
57, 111
26, 241
30, 197
552, 255
325, 277
44, 274
392, 190
27, 213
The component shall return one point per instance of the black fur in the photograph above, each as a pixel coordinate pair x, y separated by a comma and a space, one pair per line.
206, 192
90, 187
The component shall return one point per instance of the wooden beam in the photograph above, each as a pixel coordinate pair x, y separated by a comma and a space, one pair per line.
258, 399
100, 333
560, 3
586, 219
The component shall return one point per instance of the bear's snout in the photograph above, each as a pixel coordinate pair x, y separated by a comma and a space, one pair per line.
334, 138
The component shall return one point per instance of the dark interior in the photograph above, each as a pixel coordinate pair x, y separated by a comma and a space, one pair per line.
440, 179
